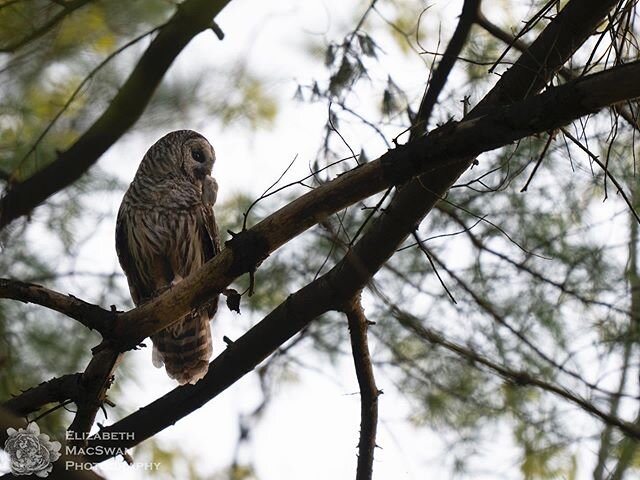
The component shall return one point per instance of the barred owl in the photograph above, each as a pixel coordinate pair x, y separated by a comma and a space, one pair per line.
165, 231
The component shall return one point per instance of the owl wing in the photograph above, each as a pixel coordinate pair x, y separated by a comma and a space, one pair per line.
139, 288
209, 233
210, 237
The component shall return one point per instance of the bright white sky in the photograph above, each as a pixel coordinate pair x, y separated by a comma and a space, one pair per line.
311, 429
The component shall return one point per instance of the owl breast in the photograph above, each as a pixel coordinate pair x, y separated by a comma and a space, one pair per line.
160, 238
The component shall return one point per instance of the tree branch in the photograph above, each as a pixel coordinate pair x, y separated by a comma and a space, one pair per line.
518, 377
55, 390
546, 55
467, 19
69, 8
358, 326
191, 18
94, 384
89, 315
564, 72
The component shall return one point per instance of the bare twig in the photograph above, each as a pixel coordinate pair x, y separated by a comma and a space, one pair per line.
550, 137
606, 171
423, 248
266, 192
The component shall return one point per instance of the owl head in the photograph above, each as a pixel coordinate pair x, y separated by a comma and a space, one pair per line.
183, 153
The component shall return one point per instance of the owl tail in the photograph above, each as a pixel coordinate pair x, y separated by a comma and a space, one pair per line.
184, 348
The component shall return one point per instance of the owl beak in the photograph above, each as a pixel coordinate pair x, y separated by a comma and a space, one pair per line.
203, 170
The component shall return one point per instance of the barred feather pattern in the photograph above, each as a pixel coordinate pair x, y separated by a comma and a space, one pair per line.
165, 231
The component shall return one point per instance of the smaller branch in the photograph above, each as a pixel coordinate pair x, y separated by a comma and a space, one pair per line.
606, 171
69, 7
96, 380
467, 19
423, 248
333, 128
78, 89
518, 377
522, 266
540, 158
89, 315
54, 390
358, 325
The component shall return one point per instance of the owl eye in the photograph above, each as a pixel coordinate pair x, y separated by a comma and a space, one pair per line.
197, 156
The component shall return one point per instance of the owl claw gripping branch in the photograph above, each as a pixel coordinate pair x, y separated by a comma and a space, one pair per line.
166, 230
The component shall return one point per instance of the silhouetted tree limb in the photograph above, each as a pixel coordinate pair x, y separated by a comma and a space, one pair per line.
191, 18
565, 73
54, 390
468, 16
91, 316
358, 326
546, 55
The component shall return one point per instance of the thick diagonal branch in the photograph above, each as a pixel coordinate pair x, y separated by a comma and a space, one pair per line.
358, 326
